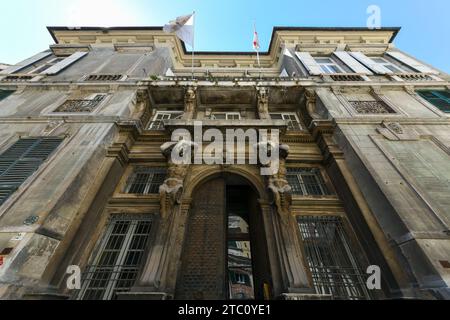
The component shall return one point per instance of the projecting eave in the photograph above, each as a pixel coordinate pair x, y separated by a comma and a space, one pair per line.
281, 36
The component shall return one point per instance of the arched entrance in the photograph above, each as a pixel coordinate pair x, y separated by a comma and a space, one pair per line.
225, 251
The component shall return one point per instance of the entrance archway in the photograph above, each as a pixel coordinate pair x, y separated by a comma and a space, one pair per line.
225, 252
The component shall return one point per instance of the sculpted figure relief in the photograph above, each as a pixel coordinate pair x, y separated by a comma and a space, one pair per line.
263, 103
172, 189
190, 102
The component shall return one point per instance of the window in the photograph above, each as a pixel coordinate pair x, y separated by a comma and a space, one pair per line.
387, 64
45, 66
21, 160
367, 103
146, 180
328, 65
161, 116
226, 116
330, 255
291, 119
118, 258
439, 98
307, 182
86, 105
4, 94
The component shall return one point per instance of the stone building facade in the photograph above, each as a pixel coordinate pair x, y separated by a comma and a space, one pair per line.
87, 179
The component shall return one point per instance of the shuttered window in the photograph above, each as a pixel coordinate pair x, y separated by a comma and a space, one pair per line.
332, 258
307, 182
4, 94
146, 180
21, 160
438, 98
116, 263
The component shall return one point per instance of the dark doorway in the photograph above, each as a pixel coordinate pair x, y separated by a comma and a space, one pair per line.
225, 252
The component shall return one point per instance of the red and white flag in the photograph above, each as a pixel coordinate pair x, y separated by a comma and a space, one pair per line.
256, 46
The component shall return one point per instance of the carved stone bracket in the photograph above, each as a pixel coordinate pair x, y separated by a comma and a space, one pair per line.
263, 103
311, 100
172, 189
190, 103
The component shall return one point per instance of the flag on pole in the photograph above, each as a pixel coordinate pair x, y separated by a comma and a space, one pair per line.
256, 45
183, 27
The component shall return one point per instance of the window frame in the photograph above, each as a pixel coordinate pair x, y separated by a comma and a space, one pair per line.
149, 183
227, 115
389, 65
420, 93
320, 181
327, 67
289, 114
90, 98
125, 248
158, 124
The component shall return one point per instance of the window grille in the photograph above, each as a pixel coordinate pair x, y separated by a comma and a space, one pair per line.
291, 118
146, 180
307, 182
118, 259
160, 117
439, 98
331, 258
103, 77
87, 105
21, 160
368, 107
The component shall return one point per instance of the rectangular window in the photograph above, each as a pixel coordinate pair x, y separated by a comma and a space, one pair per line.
331, 258
291, 119
161, 116
117, 261
81, 106
307, 182
387, 64
328, 65
439, 98
4, 94
146, 180
21, 160
226, 116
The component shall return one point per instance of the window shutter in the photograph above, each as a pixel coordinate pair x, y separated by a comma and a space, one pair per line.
352, 63
65, 63
26, 63
369, 63
310, 64
414, 64
21, 160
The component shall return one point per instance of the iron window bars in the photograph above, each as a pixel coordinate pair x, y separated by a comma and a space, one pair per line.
117, 261
331, 258
86, 105
307, 182
146, 180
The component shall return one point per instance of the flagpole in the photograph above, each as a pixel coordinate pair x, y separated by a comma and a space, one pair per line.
193, 47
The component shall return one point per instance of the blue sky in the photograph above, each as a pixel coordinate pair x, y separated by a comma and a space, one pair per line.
226, 25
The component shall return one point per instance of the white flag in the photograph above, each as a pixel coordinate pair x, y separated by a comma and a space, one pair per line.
183, 27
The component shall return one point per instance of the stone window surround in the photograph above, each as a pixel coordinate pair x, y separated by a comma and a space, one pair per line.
51, 110
340, 95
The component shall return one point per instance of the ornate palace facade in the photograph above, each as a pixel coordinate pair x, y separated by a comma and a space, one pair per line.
86, 177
